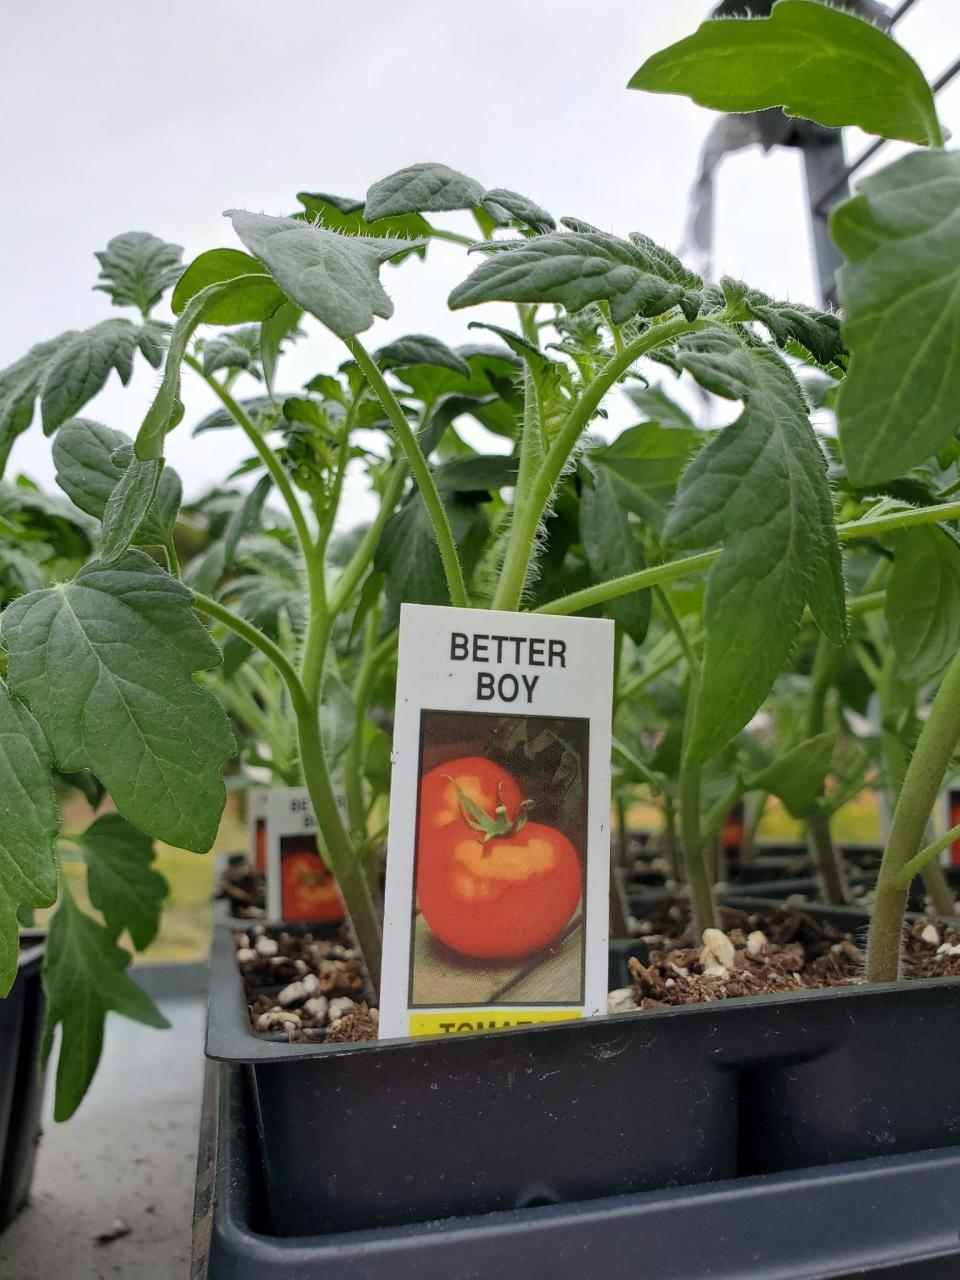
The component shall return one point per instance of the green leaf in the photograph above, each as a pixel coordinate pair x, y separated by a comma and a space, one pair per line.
715, 357
922, 605
344, 214
409, 557
127, 507
20, 384
572, 269
644, 464
667, 756
613, 545
84, 977
263, 601
121, 880
760, 489
519, 345
816, 331
235, 350
91, 460
334, 277
245, 518
657, 407
338, 716
809, 58
282, 326
420, 348
137, 269
258, 299
421, 188
520, 209
264, 410
477, 473
79, 368
28, 826
230, 301
900, 293
106, 665
797, 777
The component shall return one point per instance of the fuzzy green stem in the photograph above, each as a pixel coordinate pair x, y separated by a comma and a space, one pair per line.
526, 521
906, 519
661, 573
348, 581
254, 636
353, 761
918, 795
919, 861
894, 693
830, 872
703, 910
421, 471
173, 560
265, 453
701, 896
938, 889
338, 851
670, 838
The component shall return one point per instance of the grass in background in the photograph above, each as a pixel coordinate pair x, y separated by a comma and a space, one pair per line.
858, 822
188, 913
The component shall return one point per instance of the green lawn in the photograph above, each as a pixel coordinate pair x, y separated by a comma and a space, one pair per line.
185, 924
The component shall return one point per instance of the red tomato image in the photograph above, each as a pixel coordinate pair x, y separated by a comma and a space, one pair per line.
309, 889
260, 845
490, 883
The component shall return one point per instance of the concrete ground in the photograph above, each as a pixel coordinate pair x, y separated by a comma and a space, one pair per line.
129, 1154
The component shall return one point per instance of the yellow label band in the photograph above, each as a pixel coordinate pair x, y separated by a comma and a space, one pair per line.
463, 1023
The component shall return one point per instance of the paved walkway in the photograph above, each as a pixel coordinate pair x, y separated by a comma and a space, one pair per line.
129, 1153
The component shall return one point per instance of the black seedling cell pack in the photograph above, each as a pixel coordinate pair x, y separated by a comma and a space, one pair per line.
21, 1082
354, 1137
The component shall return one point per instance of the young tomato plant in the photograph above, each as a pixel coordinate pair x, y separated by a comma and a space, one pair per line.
101, 669
899, 297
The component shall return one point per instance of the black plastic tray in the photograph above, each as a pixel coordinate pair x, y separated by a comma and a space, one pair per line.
890, 1216
21, 1081
433, 1129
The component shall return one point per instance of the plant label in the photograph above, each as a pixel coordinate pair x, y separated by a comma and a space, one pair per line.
950, 857
257, 827
498, 861
299, 884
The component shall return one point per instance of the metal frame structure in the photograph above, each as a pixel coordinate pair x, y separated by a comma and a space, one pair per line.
827, 171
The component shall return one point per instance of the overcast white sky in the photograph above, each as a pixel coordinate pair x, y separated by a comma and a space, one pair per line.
124, 117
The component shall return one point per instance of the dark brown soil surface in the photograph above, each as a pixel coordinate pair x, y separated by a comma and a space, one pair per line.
776, 952
246, 890
304, 985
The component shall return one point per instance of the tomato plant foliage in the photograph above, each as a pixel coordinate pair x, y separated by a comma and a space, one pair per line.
717, 550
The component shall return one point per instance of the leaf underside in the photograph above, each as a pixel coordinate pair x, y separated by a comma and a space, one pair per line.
810, 59
760, 489
28, 826
900, 293
334, 277
121, 880
922, 602
84, 978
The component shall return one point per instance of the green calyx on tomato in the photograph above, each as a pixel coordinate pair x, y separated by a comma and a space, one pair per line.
501, 824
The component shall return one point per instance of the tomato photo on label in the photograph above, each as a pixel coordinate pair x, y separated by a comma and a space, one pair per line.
309, 889
490, 883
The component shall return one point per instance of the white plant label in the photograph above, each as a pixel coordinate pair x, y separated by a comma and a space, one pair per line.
299, 884
498, 861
